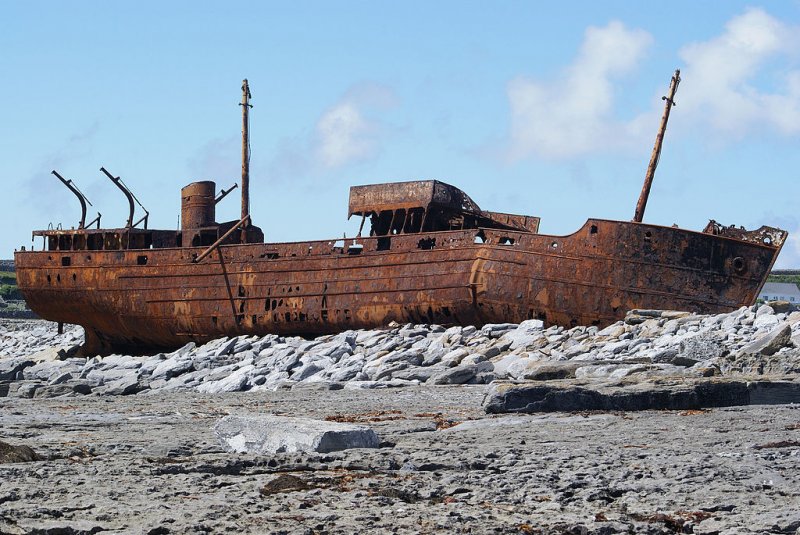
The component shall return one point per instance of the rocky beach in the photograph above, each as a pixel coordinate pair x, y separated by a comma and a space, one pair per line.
667, 422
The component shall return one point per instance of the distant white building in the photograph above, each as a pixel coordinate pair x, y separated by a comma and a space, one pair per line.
780, 291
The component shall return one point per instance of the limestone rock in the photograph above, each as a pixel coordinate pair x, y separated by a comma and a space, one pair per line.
9, 368
278, 434
771, 343
16, 454
458, 375
634, 396
121, 387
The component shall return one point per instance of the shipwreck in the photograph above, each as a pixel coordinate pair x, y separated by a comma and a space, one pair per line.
426, 253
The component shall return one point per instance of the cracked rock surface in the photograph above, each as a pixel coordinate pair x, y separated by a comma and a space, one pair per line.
151, 464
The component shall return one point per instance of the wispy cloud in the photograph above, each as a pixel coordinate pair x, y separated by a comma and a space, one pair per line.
344, 136
739, 82
351, 131
217, 160
573, 115
50, 200
722, 71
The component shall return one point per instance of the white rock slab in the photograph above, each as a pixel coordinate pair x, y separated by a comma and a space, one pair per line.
279, 434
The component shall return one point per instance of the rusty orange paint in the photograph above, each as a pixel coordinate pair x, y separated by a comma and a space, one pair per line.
435, 257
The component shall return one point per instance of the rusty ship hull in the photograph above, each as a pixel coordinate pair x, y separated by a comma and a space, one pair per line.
162, 297
430, 255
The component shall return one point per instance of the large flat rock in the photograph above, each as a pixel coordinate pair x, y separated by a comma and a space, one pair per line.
278, 434
683, 394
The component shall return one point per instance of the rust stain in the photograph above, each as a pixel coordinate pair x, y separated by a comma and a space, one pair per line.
426, 253
157, 295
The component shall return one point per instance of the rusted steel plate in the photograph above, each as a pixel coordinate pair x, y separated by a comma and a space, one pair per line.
133, 299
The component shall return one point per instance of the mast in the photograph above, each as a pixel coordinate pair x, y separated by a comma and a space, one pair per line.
651, 169
245, 104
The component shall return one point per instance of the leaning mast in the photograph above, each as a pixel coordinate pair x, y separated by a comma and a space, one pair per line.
651, 169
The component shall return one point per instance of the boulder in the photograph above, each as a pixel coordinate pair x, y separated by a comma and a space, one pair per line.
766, 321
53, 391
279, 434
460, 374
9, 368
770, 344
16, 454
505, 397
172, 367
781, 306
549, 371
121, 387
696, 348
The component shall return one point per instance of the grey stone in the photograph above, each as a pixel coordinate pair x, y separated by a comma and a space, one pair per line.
504, 364
172, 367
235, 382
317, 385
16, 454
548, 371
52, 391
526, 336
458, 375
610, 371
23, 389
277, 434
226, 347
121, 387
764, 310
307, 370
371, 385
766, 321
10, 367
60, 378
773, 392
633, 396
386, 372
417, 373
454, 357
151, 364
346, 373
771, 343
495, 330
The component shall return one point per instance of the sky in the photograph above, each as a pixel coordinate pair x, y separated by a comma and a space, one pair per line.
532, 107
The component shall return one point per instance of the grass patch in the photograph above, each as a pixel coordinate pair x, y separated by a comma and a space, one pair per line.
10, 291
8, 277
784, 278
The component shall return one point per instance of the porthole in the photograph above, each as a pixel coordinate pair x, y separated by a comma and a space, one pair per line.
739, 265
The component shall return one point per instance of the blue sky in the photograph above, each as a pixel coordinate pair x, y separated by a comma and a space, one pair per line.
540, 108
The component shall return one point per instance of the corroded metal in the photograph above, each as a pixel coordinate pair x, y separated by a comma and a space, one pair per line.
125, 191
431, 255
245, 104
154, 293
81, 197
651, 168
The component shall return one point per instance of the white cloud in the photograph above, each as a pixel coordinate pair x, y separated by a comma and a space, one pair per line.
735, 83
573, 115
720, 74
344, 136
347, 132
